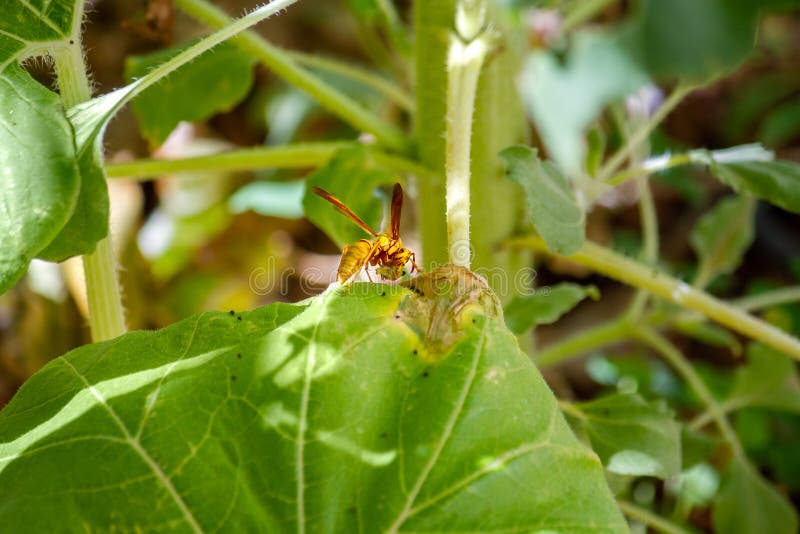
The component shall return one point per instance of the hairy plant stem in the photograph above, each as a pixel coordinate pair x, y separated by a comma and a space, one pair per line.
280, 62
464, 63
650, 519
292, 156
643, 132
499, 121
618, 267
106, 313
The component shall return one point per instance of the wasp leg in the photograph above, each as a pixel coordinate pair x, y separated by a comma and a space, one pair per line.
414, 266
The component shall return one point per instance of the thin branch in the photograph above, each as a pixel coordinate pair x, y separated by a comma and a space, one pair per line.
631, 272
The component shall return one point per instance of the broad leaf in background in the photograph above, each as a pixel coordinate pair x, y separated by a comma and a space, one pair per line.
545, 306
782, 125
747, 504
274, 199
38, 192
722, 236
321, 412
768, 380
631, 435
695, 40
564, 98
212, 83
777, 182
351, 177
553, 208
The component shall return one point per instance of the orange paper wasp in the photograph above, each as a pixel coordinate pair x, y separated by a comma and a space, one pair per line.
385, 250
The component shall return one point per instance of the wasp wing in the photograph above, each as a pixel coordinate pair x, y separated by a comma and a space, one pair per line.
397, 207
344, 210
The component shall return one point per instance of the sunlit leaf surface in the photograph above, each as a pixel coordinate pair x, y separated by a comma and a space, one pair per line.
317, 417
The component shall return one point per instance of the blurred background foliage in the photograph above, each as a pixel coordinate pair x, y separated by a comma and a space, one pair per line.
237, 240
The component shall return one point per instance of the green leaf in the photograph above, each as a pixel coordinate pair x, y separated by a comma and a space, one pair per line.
38, 191
564, 98
351, 176
747, 504
212, 83
754, 99
782, 125
89, 222
633, 436
768, 380
554, 210
545, 306
26, 26
275, 199
319, 413
777, 182
691, 39
722, 236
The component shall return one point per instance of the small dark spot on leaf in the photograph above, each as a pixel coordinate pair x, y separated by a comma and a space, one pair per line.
397, 315
352, 509
415, 352
384, 435
233, 377
238, 317
71, 41
239, 355
383, 293
232, 312
474, 320
425, 374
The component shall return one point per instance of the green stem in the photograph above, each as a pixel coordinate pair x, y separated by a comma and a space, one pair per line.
651, 166
735, 154
677, 360
649, 218
433, 22
284, 66
643, 133
463, 67
776, 297
617, 329
106, 313
370, 79
569, 408
294, 156
592, 338
702, 419
648, 518
618, 267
